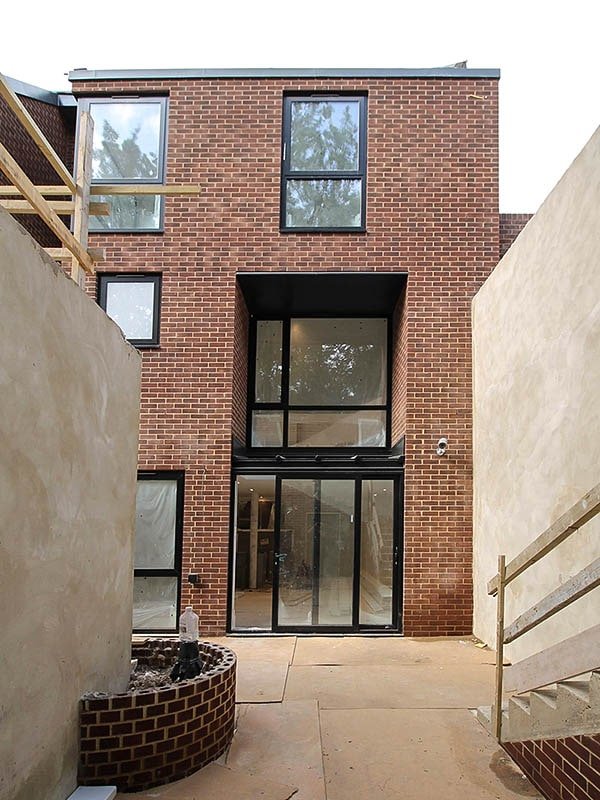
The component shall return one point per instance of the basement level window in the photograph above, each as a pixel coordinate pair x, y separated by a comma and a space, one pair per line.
129, 148
324, 163
133, 302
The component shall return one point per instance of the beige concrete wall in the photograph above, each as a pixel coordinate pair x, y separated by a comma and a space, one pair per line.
536, 338
69, 400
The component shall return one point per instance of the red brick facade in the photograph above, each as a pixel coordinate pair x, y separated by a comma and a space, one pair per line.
58, 125
432, 196
432, 213
562, 769
511, 226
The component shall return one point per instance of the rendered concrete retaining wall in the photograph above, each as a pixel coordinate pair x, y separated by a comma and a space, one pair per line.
69, 395
536, 339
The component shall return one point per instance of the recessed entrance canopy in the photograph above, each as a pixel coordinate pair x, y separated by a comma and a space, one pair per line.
272, 294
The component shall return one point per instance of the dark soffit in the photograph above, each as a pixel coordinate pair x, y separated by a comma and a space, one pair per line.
272, 294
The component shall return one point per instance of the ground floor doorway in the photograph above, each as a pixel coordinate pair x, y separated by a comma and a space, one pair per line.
316, 553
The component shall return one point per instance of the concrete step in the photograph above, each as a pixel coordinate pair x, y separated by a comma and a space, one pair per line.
519, 719
484, 717
595, 689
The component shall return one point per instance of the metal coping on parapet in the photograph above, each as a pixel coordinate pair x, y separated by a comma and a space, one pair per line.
174, 74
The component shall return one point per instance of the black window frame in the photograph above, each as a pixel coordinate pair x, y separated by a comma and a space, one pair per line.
288, 174
105, 278
84, 104
175, 572
284, 405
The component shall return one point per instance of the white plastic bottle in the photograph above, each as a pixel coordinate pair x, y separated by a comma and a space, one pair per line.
188, 625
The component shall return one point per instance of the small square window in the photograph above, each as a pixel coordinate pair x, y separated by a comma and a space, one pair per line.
324, 163
133, 302
128, 147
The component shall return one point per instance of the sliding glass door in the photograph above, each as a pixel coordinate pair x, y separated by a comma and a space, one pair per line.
316, 553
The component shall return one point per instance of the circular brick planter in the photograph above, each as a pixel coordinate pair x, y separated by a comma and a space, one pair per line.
149, 737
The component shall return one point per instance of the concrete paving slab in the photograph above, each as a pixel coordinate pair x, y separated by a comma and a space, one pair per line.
393, 686
260, 648
281, 742
217, 783
350, 650
400, 754
260, 682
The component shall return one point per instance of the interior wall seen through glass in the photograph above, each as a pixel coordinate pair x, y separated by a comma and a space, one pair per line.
336, 428
254, 552
376, 552
336, 552
296, 568
156, 513
267, 428
338, 362
154, 602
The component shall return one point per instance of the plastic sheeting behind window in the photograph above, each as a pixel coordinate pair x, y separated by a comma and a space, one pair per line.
154, 603
156, 512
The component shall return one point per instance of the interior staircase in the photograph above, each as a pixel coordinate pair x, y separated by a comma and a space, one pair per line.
562, 709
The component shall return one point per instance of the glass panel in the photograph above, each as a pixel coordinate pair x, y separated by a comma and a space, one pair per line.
323, 204
254, 552
131, 305
296, 548
126, 140
324, 135
376, 552
338, 362
268, 361
156, 513
267, 428
154, 603
128, 212
336, 553
336, 429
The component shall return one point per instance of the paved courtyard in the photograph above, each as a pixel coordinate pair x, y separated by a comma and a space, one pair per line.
357, 718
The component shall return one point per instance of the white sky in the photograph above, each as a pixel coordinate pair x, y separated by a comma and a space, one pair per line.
548, 54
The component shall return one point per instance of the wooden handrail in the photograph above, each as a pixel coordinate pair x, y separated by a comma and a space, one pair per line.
560, 598
568, 523
570, 591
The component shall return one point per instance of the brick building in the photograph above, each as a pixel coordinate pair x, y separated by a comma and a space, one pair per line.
306, 337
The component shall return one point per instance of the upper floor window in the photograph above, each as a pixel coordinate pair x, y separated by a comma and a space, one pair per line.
320, 382
133, 302
129, 147
324, 163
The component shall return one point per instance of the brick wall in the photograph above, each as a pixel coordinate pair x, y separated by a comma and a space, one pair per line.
58, 126
432, 211
562, 769
511, 226
151, 737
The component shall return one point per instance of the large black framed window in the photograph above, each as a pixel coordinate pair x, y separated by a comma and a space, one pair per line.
133, 302
129, 147
157, 553
324, 163
319, 382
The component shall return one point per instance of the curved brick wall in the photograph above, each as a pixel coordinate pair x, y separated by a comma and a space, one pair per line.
150, 737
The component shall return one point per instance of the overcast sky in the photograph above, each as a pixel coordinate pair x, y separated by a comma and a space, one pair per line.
549, 89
